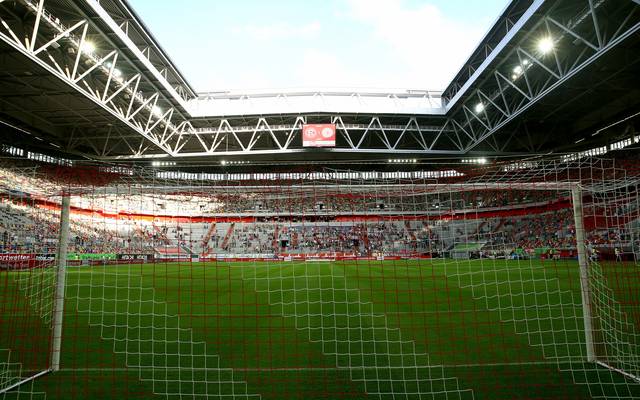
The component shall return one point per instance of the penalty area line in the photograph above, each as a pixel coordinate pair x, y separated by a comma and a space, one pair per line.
285, 369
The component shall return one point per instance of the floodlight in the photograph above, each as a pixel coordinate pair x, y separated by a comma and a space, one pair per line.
479, 108
545, 45
88, 47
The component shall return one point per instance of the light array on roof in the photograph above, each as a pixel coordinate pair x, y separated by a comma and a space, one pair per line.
88, 47
12, 150
163, 163
480, 160
519, 69
225, 162
545, 44
157, 111
49, 159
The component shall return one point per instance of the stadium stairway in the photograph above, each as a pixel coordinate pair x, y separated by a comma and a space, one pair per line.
275, 244
187, 250
360, 340
227, 237
549, 313
498, 226
410, 232
161, 235
479, 228
207, 236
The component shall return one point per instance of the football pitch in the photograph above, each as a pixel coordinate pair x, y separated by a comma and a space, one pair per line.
431, 329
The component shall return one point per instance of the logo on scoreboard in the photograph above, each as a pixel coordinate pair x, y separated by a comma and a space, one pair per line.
318, 135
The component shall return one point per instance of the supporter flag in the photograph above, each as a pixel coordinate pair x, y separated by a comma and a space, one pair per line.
319, 135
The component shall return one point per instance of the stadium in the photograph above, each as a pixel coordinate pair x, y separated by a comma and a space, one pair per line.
479, 242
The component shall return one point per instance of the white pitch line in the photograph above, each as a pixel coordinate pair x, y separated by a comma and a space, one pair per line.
285, 369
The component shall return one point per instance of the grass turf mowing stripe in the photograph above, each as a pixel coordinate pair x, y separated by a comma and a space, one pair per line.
429, 302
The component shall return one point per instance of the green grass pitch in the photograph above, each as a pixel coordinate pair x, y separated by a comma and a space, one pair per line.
432, 329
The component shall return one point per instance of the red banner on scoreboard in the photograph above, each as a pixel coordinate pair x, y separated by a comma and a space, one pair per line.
318, 135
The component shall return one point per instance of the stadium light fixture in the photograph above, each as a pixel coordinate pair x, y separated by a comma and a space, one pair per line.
479, 108
517, 69
88, 47
157, 111
223, 162
545, 44
163, 163
482, 160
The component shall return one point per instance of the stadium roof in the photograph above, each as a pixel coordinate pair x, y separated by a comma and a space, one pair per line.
549, 76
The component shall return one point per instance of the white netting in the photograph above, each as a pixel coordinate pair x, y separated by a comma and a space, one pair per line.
27, 280
344, 285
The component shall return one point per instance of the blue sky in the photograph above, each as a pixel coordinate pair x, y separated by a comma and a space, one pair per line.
277, 44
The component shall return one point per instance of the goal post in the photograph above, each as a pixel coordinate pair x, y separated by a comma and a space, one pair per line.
583, 262
59, 296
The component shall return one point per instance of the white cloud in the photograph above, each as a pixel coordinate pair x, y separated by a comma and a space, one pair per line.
279, 31
429, 47
383, 44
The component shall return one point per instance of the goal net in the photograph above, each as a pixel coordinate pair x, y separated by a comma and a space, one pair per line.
512, 280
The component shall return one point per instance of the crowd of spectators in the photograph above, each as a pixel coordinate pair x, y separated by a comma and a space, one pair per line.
26, 226
207, 201
27, 229
360, 237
